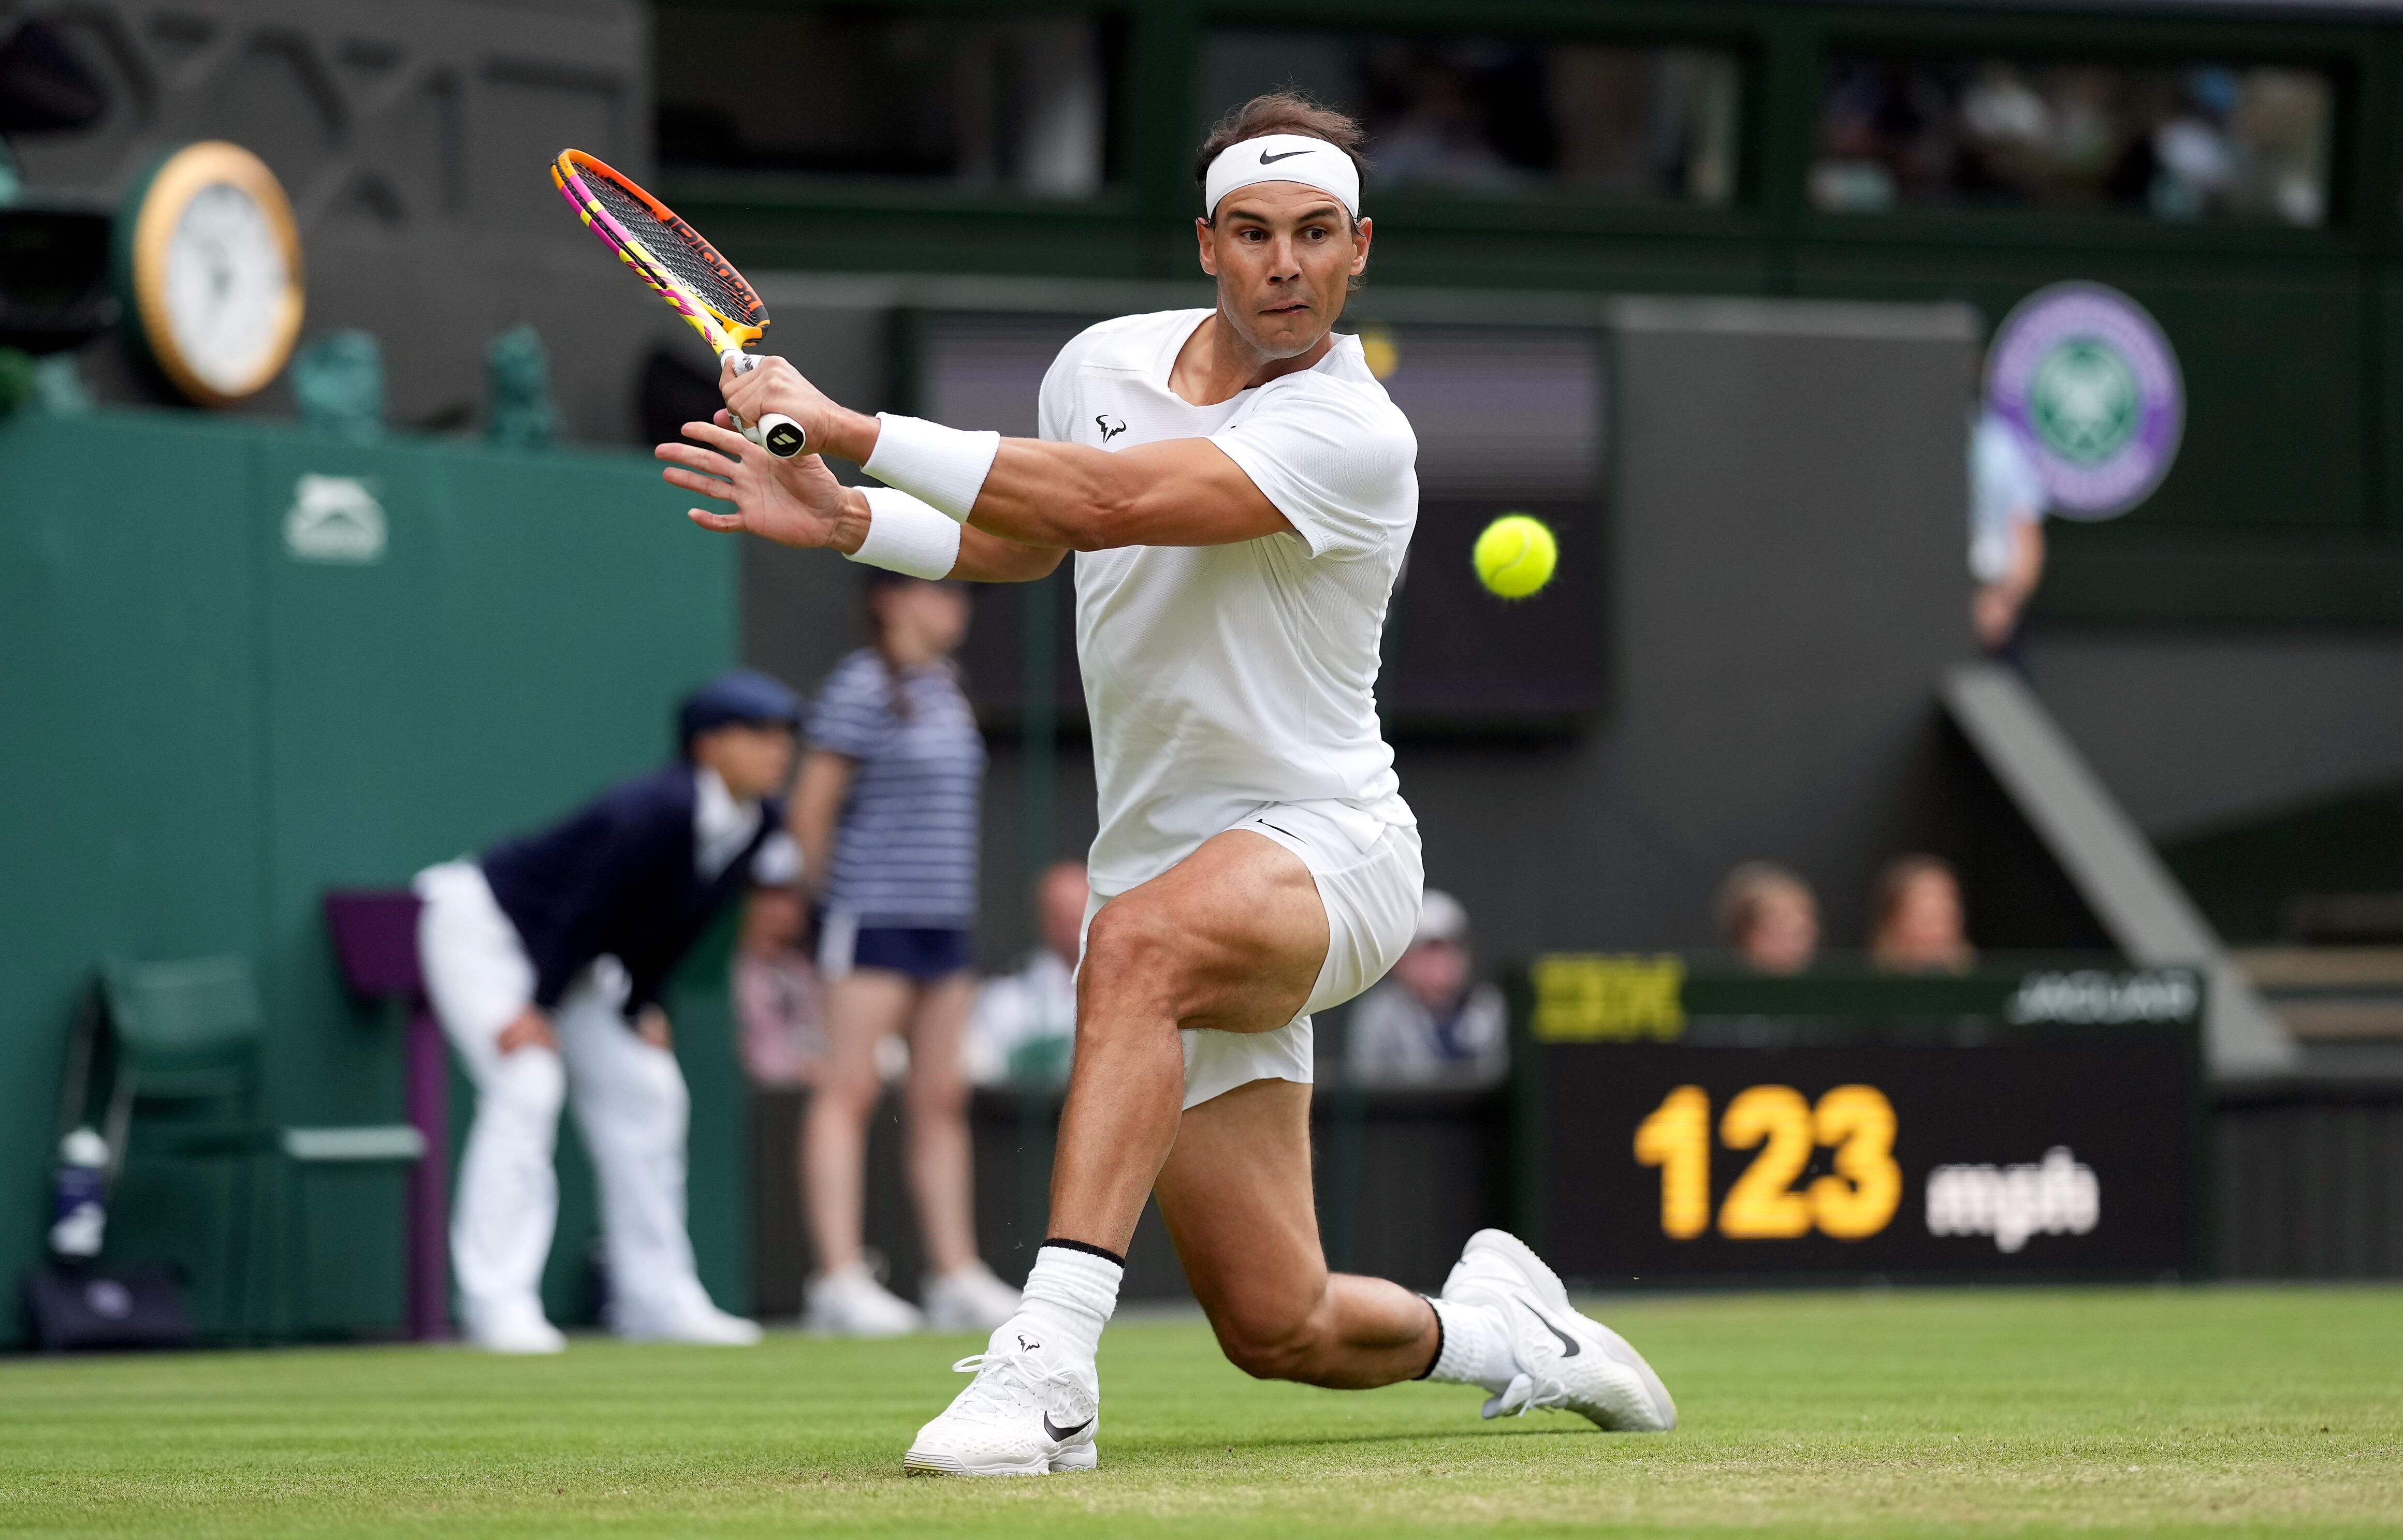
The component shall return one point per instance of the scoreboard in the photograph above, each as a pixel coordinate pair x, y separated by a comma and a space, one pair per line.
1685, 1127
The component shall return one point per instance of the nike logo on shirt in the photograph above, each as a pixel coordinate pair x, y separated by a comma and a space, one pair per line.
1268, 160
1059, 1434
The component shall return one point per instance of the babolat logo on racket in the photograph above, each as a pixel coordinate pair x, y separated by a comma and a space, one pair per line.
784, 438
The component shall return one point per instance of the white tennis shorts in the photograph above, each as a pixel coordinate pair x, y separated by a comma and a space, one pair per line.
1371, 893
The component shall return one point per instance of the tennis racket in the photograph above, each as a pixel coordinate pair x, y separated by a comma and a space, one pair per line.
670, 256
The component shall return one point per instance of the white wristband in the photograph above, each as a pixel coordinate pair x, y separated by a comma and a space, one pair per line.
944, 465
906, 535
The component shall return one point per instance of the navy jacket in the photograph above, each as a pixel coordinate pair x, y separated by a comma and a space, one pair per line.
617, 878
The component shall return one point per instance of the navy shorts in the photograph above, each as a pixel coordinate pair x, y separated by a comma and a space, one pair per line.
922, 953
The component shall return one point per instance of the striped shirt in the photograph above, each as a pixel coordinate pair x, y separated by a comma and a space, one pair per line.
905, 849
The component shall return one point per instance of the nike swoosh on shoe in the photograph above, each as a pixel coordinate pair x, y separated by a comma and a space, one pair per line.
1569, 1348
1059, 1433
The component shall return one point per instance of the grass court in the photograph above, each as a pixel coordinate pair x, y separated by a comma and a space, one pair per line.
2220, 1412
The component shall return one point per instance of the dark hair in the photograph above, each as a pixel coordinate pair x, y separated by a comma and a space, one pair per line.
1284, 112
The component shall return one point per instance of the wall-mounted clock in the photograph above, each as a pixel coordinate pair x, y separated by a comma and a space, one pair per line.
209, 260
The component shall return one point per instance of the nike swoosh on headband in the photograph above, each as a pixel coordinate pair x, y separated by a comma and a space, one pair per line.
1057, 1432
1268, 160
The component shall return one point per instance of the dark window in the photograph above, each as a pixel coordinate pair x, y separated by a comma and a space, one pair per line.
2174, 142
1481, 116
1016, 103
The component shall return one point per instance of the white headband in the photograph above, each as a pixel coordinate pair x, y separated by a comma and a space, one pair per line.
1282, 157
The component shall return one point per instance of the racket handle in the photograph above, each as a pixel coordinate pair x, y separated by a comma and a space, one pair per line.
776, 433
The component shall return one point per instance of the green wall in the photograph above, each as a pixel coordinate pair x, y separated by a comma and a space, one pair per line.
201, 734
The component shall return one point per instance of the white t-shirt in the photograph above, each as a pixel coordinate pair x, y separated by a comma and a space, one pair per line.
2005, 491
1222, 678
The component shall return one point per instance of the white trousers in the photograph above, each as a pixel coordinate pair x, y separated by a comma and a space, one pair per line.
631, 1104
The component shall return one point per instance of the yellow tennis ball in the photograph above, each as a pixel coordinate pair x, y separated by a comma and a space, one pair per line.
1516, 555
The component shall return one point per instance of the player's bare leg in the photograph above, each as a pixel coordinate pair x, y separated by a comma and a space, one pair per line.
1232, 937
1236, 1196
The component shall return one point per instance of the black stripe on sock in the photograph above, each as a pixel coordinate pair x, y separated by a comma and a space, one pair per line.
1089, 1251
1439, 1340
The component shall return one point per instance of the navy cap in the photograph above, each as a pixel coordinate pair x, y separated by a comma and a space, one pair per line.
745, 696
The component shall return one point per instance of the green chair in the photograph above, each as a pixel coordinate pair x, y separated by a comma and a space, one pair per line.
186, 1052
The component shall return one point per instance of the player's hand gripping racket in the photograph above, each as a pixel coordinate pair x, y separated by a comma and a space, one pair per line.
670, 256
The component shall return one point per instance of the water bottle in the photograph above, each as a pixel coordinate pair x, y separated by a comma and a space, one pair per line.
77, 1215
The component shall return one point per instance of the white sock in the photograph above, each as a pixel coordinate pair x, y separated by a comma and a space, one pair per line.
1476, 1347
1068, 1298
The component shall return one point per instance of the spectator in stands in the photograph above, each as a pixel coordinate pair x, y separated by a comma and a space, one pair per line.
544, 960
1770, 917
778, 1004
1025, 1023
1916, 922
2007, 504
1427, 1022
886, 811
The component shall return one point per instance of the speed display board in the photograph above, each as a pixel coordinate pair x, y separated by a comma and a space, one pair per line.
1954, 1143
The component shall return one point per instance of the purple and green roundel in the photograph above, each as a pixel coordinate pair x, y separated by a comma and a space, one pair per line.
2088, 379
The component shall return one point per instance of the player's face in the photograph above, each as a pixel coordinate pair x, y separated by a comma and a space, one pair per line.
1284, 255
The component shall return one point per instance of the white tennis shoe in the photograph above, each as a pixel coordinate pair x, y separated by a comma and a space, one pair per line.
700, 1323
1567, 1361
1029, 1411
968, 1299
850, 1303
513, 1326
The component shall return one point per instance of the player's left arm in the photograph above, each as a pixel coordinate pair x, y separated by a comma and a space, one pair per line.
1179, 492
1047, 495
800, 503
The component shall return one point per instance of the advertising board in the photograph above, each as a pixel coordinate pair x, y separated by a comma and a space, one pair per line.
2042, 1123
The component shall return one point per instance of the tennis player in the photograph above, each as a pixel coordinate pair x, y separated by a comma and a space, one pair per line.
1239, 493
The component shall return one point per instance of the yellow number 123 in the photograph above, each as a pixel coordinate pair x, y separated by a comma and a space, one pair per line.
1856, 1201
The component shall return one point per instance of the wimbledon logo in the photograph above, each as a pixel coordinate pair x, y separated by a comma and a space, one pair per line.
2089, 381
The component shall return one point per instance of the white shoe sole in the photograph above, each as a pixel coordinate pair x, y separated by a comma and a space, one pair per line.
825, 1328
709, 1339
1546, 1286
1075, 1457
521, 1347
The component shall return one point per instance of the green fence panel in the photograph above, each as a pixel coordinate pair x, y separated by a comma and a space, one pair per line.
249, 664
